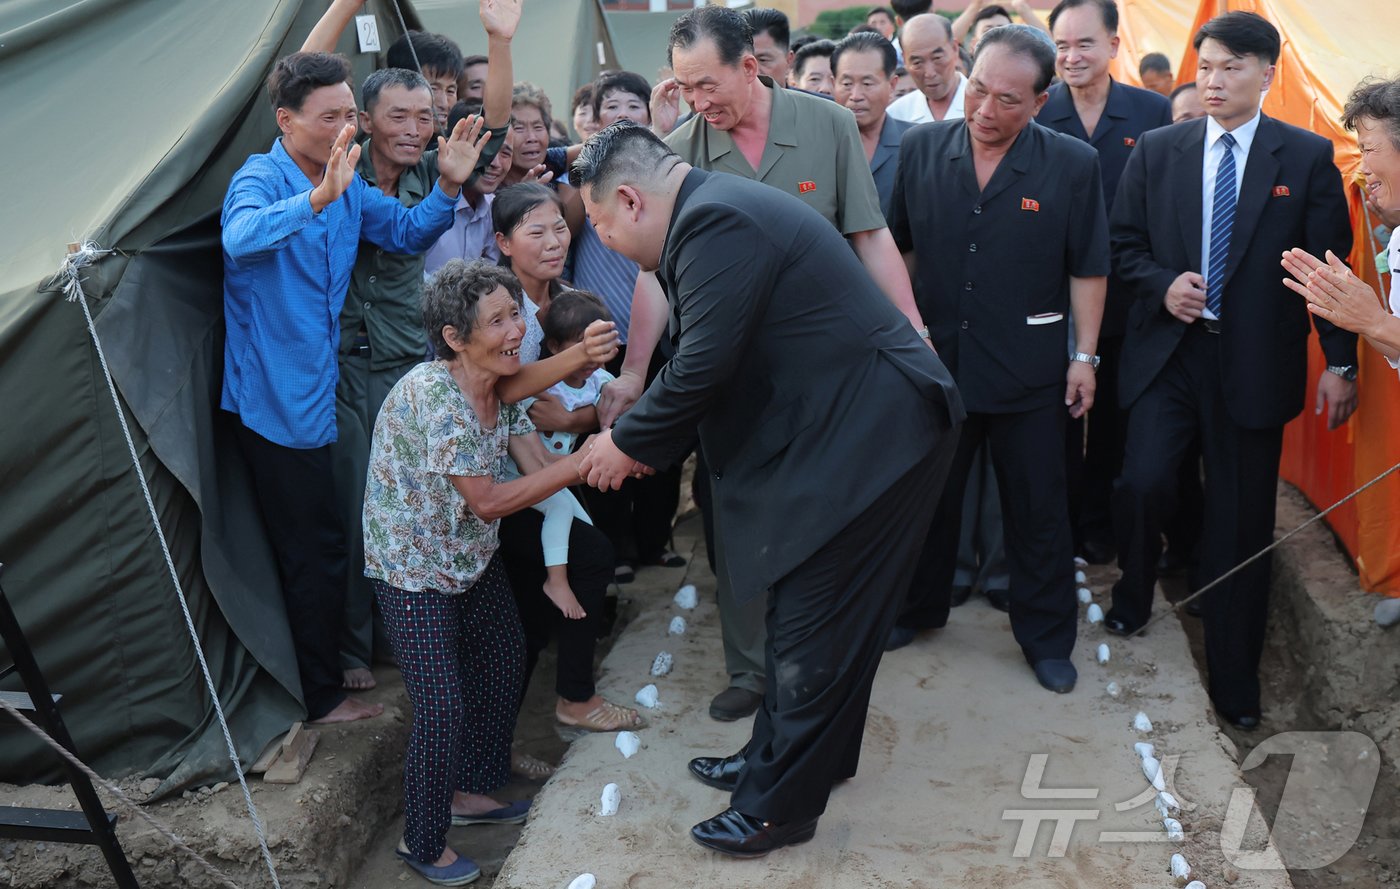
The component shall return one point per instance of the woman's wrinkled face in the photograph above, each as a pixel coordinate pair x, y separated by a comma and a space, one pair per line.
494, 343
538, 245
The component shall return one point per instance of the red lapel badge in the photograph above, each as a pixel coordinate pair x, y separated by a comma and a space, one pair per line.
1031, 205
1280, 191
1129, 141
806, 186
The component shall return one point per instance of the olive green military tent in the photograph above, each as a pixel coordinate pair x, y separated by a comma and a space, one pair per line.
560, 45
124, 121
641, 38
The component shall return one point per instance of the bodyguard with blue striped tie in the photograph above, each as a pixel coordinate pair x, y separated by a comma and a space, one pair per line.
1214, 345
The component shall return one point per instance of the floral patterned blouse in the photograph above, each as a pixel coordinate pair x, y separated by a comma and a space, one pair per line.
419, 533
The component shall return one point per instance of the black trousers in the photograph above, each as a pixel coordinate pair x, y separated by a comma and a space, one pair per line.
590, 572
637, 517
1241, 479
1030, 467
295, 490
827, 625
1094, 453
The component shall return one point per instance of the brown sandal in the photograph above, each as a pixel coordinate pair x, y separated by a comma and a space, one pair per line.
523, 765
606, 717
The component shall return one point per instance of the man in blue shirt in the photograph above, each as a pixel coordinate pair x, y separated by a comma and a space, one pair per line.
292, 222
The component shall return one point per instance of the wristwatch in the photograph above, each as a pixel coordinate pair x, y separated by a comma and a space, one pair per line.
1091, 360
923, 332
1345, 371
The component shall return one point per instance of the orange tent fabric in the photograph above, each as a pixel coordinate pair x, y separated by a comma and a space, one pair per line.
1324, 56
1146, 26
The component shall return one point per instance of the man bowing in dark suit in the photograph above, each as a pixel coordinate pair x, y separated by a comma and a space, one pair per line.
828, 425
1215, 343
1090, 105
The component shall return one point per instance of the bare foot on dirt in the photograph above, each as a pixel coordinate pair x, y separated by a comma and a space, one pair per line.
357, 679
349, 710
562, 595
474, 804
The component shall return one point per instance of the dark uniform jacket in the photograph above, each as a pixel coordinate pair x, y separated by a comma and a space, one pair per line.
993, 267
813, 395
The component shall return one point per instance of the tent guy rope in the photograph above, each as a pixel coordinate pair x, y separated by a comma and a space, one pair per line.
70, 277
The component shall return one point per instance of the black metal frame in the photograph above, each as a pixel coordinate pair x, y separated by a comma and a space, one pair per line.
94, 826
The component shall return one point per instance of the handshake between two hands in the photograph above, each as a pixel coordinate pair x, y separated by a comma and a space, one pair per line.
604, 466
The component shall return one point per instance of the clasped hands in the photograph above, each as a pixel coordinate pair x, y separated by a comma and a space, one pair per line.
604, 466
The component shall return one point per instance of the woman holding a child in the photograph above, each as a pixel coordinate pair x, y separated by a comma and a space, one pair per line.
435, 494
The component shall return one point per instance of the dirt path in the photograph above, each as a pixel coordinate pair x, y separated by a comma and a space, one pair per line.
956, 722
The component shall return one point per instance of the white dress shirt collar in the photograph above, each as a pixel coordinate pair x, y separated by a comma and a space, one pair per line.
913, 107
1244, 133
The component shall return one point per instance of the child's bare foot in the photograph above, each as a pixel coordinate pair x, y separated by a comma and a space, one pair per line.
563, 596
349, 710
357, 679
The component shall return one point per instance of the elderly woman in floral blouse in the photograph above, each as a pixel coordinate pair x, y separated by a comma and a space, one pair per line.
432, 505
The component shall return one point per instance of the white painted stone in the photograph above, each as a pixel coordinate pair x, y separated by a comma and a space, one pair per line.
1086, 595
1173, 828
584, 881
663, 664
1113, 690
1094, 614
647, 697
1180, 869
1168, 801
609, 802
1102, 653
1144, 749
628, 743
1153, 770
1081, 577
686, 597
677, 627
1141, 722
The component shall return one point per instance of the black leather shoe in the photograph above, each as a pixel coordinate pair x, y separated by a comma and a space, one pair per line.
1193, 608
1056, 674
900, 637
1096, 552
743, 836
734, 703
999, 599
960, 595
1118, 627
720, 773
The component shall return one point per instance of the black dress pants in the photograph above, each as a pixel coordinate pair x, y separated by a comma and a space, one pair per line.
1094, 453
1030, 466
1241, 480
590, 572
827, 625
295, 490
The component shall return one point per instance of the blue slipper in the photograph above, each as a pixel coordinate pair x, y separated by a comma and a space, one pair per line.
458, 873
513, 813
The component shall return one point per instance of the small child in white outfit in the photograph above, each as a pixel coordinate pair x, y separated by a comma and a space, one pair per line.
569, 314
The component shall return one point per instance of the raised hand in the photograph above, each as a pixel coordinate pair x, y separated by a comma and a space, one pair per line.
458, 154
538, 174
500, 17
665, 106
340, 170
600, 340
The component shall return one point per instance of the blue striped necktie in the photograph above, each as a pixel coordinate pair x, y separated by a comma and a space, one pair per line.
1222, 219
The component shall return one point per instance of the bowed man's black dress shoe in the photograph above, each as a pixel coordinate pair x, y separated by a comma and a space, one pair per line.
1119, 627
1056, 674
1246, 721
744, 836
718, 772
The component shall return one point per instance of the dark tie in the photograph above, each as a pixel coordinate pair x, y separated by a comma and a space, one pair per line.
1222, 219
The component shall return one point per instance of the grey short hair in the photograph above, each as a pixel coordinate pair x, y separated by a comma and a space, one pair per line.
1378, 100
379, 80
451, 297
1032, 43
623, 152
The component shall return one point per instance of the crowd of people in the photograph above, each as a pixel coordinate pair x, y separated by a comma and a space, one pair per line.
468, 353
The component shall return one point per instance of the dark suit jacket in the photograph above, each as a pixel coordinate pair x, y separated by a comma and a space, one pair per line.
1291, 196
1128, 114
812, 393
886, 159
993, 264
